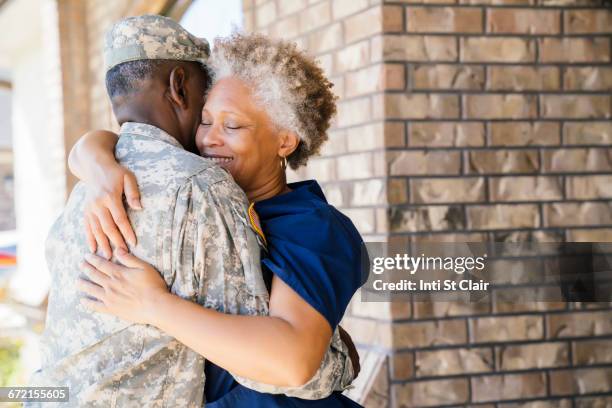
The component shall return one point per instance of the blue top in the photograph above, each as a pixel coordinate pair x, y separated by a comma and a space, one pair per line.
314, 249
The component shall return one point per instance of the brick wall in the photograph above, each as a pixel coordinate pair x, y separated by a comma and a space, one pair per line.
468, 120
507, 112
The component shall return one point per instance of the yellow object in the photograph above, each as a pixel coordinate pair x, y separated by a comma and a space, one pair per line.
254, 220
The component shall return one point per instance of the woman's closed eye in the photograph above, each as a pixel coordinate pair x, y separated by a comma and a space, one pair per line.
232, 126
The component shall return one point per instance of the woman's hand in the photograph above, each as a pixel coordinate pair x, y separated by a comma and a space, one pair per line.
129, 291
105, 215
92, 159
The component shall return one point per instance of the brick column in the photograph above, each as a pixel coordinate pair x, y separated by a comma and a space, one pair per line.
73, 46
82, 25
467, 120
345, 37
351, 167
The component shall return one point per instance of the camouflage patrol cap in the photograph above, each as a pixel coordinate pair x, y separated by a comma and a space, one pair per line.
151, 37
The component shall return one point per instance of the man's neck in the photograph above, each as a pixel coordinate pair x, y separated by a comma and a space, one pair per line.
140, 113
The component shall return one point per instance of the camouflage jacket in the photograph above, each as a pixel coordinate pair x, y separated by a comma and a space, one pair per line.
194, 231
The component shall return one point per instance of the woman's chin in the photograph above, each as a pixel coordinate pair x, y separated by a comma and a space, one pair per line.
228, 166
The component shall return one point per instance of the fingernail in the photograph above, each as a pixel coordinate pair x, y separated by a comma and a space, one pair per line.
89, 257
121, 251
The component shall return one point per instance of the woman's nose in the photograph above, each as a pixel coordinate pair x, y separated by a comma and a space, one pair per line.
211, 136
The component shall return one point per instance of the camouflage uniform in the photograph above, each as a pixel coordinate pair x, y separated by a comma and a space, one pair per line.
194, 230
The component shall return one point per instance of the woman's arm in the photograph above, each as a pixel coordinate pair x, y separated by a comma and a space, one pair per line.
92, 154
336, 373
283, 349
92, 159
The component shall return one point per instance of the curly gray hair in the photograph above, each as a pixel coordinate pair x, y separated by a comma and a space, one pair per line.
289, 84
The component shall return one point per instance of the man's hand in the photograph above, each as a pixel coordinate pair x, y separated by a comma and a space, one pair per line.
353, 354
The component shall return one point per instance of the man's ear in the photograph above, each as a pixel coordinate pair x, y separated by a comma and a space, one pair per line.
178, 90
289, 141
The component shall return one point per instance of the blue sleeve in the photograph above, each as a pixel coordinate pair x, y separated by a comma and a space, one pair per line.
318, 254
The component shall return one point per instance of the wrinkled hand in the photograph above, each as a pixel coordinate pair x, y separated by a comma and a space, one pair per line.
105, 216
129, 290
353, 354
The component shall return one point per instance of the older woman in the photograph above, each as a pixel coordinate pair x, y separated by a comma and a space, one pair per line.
269, 107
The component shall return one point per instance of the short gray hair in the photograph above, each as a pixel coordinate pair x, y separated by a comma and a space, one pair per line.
288, 83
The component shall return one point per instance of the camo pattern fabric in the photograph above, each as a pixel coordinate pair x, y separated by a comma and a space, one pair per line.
152, 37
194, 230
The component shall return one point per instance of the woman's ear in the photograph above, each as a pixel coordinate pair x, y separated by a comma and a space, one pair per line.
178, 90
289, 141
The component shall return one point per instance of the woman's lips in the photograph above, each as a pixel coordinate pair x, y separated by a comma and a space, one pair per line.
221, 160
218, 159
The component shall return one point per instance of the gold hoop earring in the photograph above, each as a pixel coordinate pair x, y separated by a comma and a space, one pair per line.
283, 163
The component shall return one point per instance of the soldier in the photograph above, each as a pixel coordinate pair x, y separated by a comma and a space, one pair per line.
193, 229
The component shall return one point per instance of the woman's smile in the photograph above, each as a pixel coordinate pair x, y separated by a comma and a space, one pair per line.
220, 160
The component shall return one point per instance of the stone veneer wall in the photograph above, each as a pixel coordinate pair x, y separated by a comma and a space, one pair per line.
467, 120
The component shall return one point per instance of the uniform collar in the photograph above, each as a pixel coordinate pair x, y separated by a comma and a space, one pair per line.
144, 129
